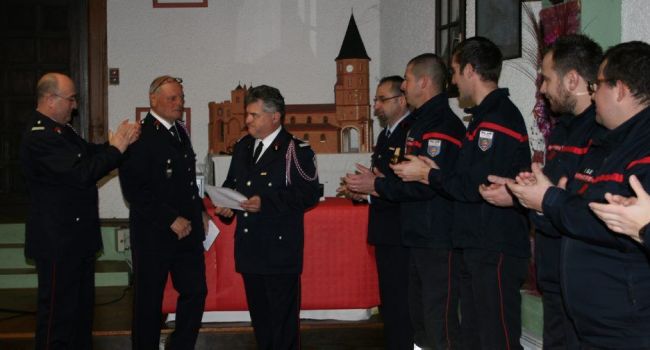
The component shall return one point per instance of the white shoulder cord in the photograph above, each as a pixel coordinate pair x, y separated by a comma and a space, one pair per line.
292, 156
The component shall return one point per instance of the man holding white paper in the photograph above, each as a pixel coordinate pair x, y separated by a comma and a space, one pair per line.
277, 174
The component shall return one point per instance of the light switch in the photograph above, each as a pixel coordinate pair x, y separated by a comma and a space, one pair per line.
114, 76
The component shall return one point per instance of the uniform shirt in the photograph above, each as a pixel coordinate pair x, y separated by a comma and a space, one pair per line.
384, 219
62, 170
285, 177
427, 217
158, 179
496, 142
266, 142
605, 277
568, 143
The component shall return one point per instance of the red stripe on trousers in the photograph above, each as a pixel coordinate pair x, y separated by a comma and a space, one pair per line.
503, 316
448, 299
49, 323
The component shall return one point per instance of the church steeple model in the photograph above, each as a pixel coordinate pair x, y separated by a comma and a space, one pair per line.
352, 92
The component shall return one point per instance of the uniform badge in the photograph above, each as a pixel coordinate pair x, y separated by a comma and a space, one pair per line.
433, 147
485, 140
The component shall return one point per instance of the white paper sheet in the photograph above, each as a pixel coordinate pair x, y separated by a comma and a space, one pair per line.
211, 235
225, 197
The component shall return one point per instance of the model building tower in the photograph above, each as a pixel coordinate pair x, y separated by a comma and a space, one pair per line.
342, 126
351, 92
227, 122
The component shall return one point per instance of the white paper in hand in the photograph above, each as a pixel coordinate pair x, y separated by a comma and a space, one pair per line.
211, 235
225, 197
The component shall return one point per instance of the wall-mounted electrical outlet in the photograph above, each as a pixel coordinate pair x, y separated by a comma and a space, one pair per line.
123, 242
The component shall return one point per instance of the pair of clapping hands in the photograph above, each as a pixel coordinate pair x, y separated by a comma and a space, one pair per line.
362, 182
625, 215
126, 134
359, 184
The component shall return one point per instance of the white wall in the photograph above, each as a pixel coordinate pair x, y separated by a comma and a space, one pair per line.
290, 44
634, 20
407, 30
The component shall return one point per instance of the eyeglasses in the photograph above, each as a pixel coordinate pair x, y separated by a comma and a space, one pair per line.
383, 99
157, 83
71, 99
592, 86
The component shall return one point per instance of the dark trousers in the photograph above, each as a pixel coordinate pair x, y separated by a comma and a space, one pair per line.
66, 295
490, 299
433, 297
393, 271
559, 332
274, 306
187, 271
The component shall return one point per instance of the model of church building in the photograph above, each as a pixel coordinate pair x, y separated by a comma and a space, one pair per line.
344, 126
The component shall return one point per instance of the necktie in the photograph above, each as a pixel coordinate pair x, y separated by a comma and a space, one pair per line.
387, 133
257, 152
174, 132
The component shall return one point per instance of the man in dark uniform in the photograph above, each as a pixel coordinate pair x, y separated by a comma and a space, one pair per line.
494, 240
62, 231
436, 133
567, 68
605, 277
384, 223
277, 173
166, 220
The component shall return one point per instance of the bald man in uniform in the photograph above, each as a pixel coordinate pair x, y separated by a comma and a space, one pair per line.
62, 229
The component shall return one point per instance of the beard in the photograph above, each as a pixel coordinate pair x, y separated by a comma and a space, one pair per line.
383, 121
564, 103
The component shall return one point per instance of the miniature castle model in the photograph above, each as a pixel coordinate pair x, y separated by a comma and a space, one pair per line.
344, 126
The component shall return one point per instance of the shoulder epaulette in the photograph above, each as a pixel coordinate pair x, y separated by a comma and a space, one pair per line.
38, 126
301, 142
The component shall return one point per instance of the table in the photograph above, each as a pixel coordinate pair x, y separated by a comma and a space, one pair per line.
339, 266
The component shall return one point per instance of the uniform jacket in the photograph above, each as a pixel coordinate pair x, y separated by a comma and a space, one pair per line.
567, 145
427, 216
605, 277
158, 179
384, 215
285, 177
496, 142
62, 171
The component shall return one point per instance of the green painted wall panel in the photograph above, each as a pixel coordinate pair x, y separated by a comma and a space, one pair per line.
601, 20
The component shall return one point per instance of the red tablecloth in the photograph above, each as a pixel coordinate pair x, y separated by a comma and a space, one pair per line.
339, 269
